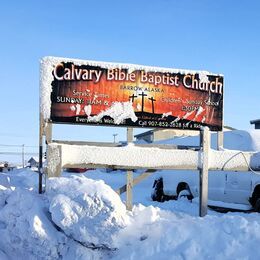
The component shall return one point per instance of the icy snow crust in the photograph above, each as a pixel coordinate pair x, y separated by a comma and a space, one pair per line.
47, 65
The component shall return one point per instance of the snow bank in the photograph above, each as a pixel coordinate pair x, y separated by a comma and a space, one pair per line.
4, 181
77, 213
88, 211
23, 177
26, 230
158, 234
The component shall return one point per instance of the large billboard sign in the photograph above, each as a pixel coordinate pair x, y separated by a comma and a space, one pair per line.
89, 92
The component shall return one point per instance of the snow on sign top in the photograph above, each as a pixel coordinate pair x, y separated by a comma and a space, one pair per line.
90, 92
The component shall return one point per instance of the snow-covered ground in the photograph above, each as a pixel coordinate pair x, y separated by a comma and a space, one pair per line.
81, 217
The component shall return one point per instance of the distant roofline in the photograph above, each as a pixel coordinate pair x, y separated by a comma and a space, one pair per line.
229, 127
255, 121
160, 129
144, 133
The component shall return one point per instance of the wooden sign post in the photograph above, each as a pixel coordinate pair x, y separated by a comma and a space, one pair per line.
204, 170
129, 176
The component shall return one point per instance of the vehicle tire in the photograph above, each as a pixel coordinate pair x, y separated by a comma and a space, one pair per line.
183, 191
257, 205
184, 194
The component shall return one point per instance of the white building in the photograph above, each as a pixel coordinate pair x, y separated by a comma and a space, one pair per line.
163, 134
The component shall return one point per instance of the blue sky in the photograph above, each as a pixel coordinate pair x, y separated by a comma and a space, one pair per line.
218, 36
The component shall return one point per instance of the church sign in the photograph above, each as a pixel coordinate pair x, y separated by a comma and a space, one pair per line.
101, 93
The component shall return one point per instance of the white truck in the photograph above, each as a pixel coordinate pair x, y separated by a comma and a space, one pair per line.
236, 190
228, 189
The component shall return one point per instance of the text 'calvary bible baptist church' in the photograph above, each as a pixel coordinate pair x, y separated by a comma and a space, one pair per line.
88, 92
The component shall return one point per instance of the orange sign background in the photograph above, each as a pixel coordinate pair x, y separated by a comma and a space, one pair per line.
178, 105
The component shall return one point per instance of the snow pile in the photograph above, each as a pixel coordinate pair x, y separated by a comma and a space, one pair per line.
24, 178
158, 234
86, 210
4, 181
77, 214
119, 111
26, 230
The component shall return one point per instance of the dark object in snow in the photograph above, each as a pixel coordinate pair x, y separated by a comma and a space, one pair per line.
158, 193
143, 237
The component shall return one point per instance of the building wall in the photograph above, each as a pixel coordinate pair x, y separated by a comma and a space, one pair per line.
257, 126
163, 134
167, 134
147, 138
